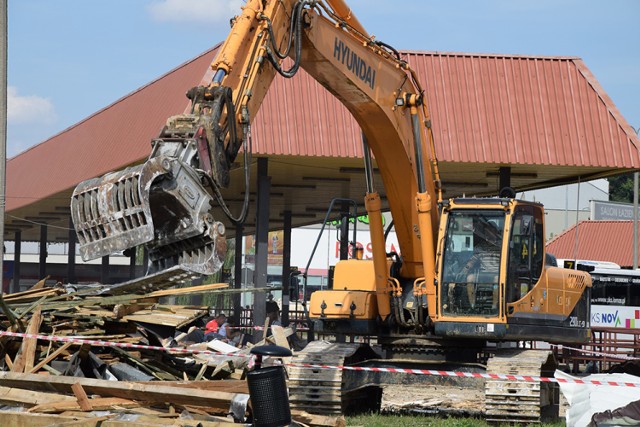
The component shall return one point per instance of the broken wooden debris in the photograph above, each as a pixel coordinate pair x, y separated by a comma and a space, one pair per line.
77, 381
156, 392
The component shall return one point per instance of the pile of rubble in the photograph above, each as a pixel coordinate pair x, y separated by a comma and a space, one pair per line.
91, 357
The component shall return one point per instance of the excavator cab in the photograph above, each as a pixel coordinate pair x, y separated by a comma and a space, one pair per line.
472, 263
492, 279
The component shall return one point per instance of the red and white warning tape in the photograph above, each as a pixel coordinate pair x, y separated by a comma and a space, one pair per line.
258, 328
506, 377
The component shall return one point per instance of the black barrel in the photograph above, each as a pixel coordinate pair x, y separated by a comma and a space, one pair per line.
269, 398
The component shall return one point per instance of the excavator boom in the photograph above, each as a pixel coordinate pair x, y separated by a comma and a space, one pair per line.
166, 202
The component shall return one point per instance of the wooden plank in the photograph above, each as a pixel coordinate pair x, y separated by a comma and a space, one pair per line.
25, 419
158, 421
121, 310
97, 404
8, 361
40, 284
229, 386
15, 323
26, 355
318, 420
36, 293
157, 392
28, 398
190, 290
80, 394
50, 357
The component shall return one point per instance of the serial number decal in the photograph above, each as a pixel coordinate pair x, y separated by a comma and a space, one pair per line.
575, 323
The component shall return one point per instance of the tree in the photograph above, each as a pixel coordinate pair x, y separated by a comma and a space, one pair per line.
621, 188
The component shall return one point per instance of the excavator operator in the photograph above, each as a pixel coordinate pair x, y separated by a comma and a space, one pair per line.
483, 267
486, 251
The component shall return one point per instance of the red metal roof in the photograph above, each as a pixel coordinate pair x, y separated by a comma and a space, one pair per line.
523, 110
504, 110
485, 108
597, 241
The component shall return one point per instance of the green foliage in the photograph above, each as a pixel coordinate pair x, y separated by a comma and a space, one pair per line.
621, 188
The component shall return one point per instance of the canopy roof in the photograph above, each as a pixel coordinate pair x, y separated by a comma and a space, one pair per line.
547, 118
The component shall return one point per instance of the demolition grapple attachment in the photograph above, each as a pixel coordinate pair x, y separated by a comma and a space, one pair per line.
161, 204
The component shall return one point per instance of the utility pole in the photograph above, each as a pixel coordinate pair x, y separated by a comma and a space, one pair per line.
635, 213
4, 32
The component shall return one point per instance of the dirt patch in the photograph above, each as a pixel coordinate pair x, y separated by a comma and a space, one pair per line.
427, 398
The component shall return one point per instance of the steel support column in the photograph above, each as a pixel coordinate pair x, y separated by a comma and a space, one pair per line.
505, 178
344, 229
145, 261
17, 252
71, 256
132, 263
104, 270
237, 275
42, 272
262, 241
286, 267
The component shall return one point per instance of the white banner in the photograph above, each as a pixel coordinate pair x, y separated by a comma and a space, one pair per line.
611, 316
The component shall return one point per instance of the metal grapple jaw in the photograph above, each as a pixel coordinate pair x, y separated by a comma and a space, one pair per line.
161, 204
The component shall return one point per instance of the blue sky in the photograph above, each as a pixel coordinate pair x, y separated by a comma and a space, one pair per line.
70, 58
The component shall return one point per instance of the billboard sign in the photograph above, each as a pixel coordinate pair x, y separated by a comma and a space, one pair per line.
611, 211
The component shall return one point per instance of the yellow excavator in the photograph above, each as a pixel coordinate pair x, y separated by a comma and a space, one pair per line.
471, 271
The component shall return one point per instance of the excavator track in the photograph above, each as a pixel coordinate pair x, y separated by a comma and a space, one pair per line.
327, 391
521, 402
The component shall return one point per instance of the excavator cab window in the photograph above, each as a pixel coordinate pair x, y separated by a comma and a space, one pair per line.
526, 251
471, 260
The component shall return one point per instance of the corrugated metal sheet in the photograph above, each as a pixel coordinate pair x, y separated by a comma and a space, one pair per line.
522, 110
312, 122
505, 110
597, 241
485, 108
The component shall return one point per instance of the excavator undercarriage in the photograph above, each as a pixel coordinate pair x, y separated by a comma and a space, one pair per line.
326, 388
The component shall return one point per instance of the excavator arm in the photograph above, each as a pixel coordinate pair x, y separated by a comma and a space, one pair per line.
165, 203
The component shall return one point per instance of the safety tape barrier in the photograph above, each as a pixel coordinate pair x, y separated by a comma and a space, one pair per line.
599, 353
504, 377
258, 328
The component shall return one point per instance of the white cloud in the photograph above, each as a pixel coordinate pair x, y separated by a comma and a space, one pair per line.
28, 109
195, 11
